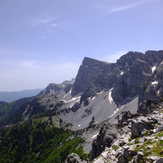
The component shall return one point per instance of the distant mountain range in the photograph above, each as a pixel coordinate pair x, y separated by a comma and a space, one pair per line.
13, 96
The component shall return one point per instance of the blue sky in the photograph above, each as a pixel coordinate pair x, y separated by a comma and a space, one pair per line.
44, 41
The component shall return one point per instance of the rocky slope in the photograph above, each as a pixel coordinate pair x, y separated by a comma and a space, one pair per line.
139, 139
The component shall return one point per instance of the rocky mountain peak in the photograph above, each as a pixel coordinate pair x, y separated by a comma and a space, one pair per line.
89, 74
55, 89
91, 61
129, 76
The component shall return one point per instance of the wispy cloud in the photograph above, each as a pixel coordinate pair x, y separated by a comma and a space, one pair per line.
44, 21
46, 25
128, 6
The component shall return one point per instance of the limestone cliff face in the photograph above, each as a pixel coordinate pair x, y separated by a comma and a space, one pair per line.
94, 73
129, 77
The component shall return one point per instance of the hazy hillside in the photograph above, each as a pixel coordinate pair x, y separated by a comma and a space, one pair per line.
12, 96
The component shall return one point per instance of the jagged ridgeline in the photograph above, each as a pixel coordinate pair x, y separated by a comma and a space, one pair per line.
102, 93
100, 90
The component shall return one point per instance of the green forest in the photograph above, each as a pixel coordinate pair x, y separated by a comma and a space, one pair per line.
37, 141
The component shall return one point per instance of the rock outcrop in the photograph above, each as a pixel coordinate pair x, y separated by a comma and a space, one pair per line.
130, 76
74, 158
57, 89
126, 156
96, 74
160, 160
139, 142
104, 139
137, 128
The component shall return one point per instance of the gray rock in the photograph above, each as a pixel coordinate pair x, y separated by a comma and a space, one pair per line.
74, 158
95, 74
103, 140
138, 159
131, 76
160, 160
138, 127
122, 159
126, 156
123, 118
160, 128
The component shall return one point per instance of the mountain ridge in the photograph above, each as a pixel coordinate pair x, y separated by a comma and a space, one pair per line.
121, 82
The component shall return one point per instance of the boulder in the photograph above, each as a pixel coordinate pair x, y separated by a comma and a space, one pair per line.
123, 118
160, 128
137, 128
126, 156
138, 159
104, 139
122, 159
160, 160
73, 158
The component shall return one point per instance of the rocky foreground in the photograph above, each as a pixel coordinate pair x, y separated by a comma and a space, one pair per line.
138, 139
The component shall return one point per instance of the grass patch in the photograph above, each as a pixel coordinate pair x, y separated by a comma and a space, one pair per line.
152, 147
160, 134
115, 147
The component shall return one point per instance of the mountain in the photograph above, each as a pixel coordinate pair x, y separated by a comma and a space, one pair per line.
108, 105
13, 96
102, 90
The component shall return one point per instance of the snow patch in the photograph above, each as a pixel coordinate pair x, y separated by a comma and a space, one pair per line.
153, 69
110, 96
99, 93
94, 136
158, 92
122, 73
93, 98
154, 82
115, 112
76, 99
70, 91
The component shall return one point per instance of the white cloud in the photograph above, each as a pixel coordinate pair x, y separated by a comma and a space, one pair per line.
128, 6
46, 25
112, 6
44, 21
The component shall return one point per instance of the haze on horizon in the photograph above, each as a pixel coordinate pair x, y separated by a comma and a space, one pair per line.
45, 41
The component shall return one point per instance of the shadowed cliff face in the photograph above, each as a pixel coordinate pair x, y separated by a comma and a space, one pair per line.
129, 77
93, 73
